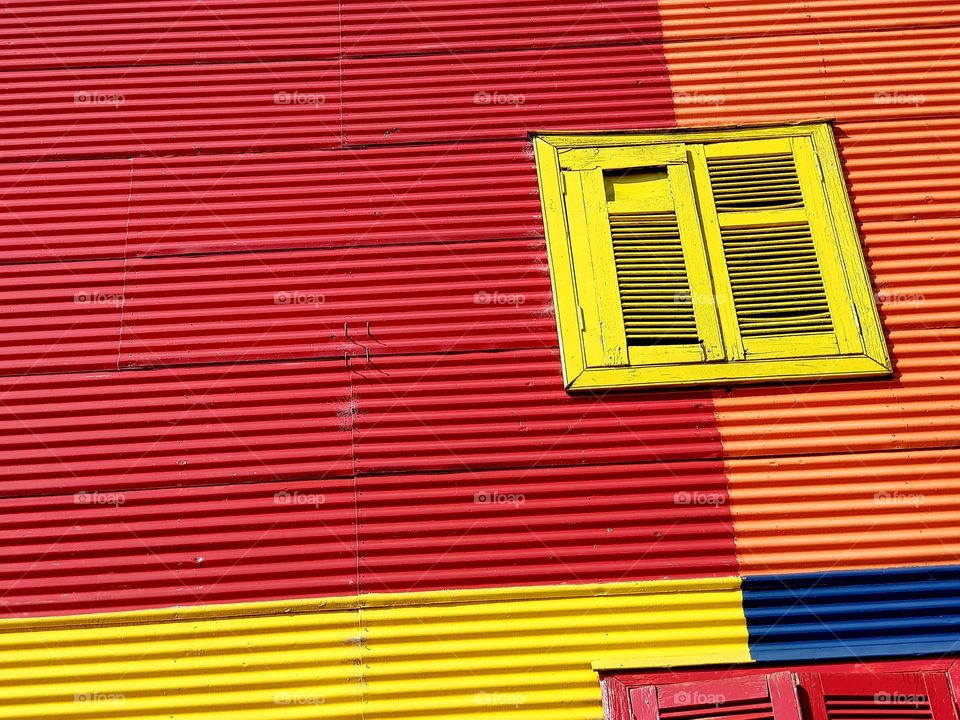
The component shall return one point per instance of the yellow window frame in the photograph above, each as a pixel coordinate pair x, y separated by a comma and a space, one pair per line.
594, 350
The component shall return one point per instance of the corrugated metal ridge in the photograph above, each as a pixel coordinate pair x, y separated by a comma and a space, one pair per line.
842, 512
904, 611
324, 303
696, 19
345, 198
518, 593
544, 525
176, 546
96, 33
187, 109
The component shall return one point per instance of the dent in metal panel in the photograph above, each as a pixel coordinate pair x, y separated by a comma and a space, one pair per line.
870, 613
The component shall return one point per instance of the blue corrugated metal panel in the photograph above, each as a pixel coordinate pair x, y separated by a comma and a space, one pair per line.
868, 613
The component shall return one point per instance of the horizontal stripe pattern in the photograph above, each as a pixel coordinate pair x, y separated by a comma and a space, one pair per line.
870, 613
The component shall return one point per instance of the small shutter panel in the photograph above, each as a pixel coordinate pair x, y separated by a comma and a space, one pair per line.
763, 697
652, 277
765, 224
890, 696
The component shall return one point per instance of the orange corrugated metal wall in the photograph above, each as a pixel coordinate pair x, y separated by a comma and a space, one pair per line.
849, 475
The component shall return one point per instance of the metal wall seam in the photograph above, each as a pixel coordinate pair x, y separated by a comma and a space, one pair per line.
325, 303
441, 26
694, 19
341, 199
484, 95
859, 614
845, 512
186, 109
544, 525
78, 432
512, 653
509, 409
111, 551
88, 33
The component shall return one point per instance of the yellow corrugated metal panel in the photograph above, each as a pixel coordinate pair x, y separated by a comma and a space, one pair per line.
529, 656
508, 653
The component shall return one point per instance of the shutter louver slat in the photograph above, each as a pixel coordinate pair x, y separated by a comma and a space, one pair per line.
769, 182
775, 277
652, 279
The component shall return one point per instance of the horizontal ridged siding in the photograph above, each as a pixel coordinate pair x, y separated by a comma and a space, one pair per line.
811, 616
850, 76
92, 33
689, 19
63, 211
409, 299
162, 428
844, 512
186, 109
60, 316
177, 546
334, 199
432, 655
544, 525
371, 28
559, 89
510, 410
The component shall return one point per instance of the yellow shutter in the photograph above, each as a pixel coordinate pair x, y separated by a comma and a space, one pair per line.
634, 232
769, 233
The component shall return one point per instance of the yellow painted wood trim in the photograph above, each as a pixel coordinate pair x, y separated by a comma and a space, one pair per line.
562, 281
748, 371
620, 157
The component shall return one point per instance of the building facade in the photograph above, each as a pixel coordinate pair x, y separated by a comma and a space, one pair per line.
286, 430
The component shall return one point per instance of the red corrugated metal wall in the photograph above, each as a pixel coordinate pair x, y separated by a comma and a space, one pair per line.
281, 320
